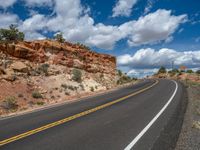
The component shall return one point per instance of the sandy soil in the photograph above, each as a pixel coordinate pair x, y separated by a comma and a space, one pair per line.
189, 138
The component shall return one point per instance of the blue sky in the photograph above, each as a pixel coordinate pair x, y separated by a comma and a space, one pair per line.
142, 34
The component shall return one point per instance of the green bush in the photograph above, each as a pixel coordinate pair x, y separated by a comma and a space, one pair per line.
189, 71
120, 73
20, 95
36, 94
44, 69
77, 75
162, 70
198, 72
59, 37
40, 103
11, 34
70, 87
83, 46
92, 89
65, 86
10, 103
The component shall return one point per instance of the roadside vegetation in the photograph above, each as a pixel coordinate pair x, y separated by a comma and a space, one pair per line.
10, 103
124, 78
36, 95
76, 75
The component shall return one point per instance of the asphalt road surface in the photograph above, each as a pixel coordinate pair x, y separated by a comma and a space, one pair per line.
129, 118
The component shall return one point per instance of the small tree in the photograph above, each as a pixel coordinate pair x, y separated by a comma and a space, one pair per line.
11, 35
189, 71
198, 72
120, 73
59, 37
77, 75
162, 70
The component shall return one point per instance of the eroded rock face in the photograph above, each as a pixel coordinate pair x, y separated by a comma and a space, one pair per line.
19, 67
67, 54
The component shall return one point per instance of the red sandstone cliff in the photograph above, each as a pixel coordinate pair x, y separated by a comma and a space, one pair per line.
67, 54
42, 72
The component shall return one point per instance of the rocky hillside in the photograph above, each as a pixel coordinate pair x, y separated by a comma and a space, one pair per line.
46, 71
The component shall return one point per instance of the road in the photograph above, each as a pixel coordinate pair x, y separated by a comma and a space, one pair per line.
128, 118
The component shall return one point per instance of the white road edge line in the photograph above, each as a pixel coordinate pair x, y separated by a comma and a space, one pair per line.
137, 138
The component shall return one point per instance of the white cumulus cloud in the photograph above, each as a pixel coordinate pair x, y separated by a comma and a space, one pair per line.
123, 8
150, 58
7, 19
6, 3
154, 27
73, 19
33, 3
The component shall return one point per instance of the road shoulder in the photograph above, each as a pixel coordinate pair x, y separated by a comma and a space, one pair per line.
189, 138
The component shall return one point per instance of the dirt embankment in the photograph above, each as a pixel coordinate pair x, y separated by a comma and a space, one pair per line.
44, 72
189, 138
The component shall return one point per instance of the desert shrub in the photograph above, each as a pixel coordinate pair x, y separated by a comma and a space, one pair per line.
82, 87
92, 89
70, 87
44, 69
10, 103
36, 94
83, 46
162, 70
76, 75
12, 34
175, 70
40, 103
101, 76
65, 86
59, 37
67, 93
120, 73
125, 79
20, 95
189, 71
198, 72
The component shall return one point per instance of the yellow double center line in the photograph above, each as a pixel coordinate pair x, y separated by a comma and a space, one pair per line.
45, 127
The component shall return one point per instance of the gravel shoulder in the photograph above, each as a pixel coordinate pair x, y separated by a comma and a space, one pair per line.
189, 138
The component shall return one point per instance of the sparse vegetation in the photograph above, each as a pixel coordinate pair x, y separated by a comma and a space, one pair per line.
162, 70
198, 72
70, 87
10, 103
59, 37
125, 79
190, 71
11, 35
67, 93
77, 75
119, 73
43, 69
36, 95
65, 86
40, 103
102, 75
92, 89
83, 46
20, 95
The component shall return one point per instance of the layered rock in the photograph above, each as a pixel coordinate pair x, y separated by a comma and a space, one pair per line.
66, 54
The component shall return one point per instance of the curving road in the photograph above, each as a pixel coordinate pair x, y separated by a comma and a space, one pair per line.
128, 118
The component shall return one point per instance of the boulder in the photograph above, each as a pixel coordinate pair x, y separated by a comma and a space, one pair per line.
19, 67
9, 76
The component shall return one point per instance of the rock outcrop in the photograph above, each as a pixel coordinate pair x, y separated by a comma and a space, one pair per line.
66, 54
